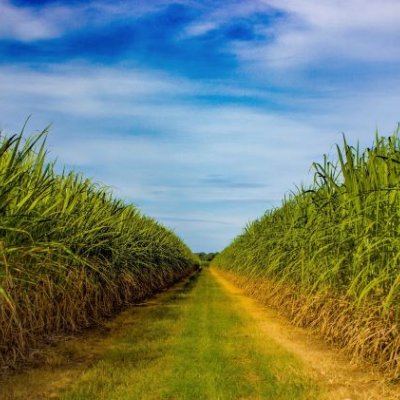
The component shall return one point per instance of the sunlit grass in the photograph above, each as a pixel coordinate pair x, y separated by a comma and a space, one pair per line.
198, 345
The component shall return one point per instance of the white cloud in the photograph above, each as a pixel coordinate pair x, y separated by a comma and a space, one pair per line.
343, 14
28, 24
334, 31
145, 134
312, 31
214, 17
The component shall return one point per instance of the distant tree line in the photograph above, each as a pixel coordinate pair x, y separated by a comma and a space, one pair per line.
206, 257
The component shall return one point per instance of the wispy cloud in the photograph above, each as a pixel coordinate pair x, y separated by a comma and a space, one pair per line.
203, 114
30, 24
213, 18
335, 31
30, 21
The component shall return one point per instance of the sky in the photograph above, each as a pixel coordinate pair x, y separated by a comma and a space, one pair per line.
204, 114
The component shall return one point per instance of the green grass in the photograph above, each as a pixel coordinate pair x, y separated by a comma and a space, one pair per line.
199, 344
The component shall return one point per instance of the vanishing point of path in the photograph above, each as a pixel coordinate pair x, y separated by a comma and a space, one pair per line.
200, 340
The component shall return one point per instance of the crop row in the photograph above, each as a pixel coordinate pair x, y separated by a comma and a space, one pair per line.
329, 256
70, 254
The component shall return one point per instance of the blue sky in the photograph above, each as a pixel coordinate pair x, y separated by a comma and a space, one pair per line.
203, 113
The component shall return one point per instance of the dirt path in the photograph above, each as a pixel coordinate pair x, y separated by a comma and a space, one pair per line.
341, 378
203, 339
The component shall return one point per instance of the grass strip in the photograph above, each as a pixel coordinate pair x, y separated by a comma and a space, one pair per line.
198, 345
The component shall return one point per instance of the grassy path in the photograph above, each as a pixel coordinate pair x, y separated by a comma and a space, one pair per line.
196, 342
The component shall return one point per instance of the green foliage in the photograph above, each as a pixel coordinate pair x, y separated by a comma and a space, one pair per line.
206, 258
341, 235
63, 235
71, 220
